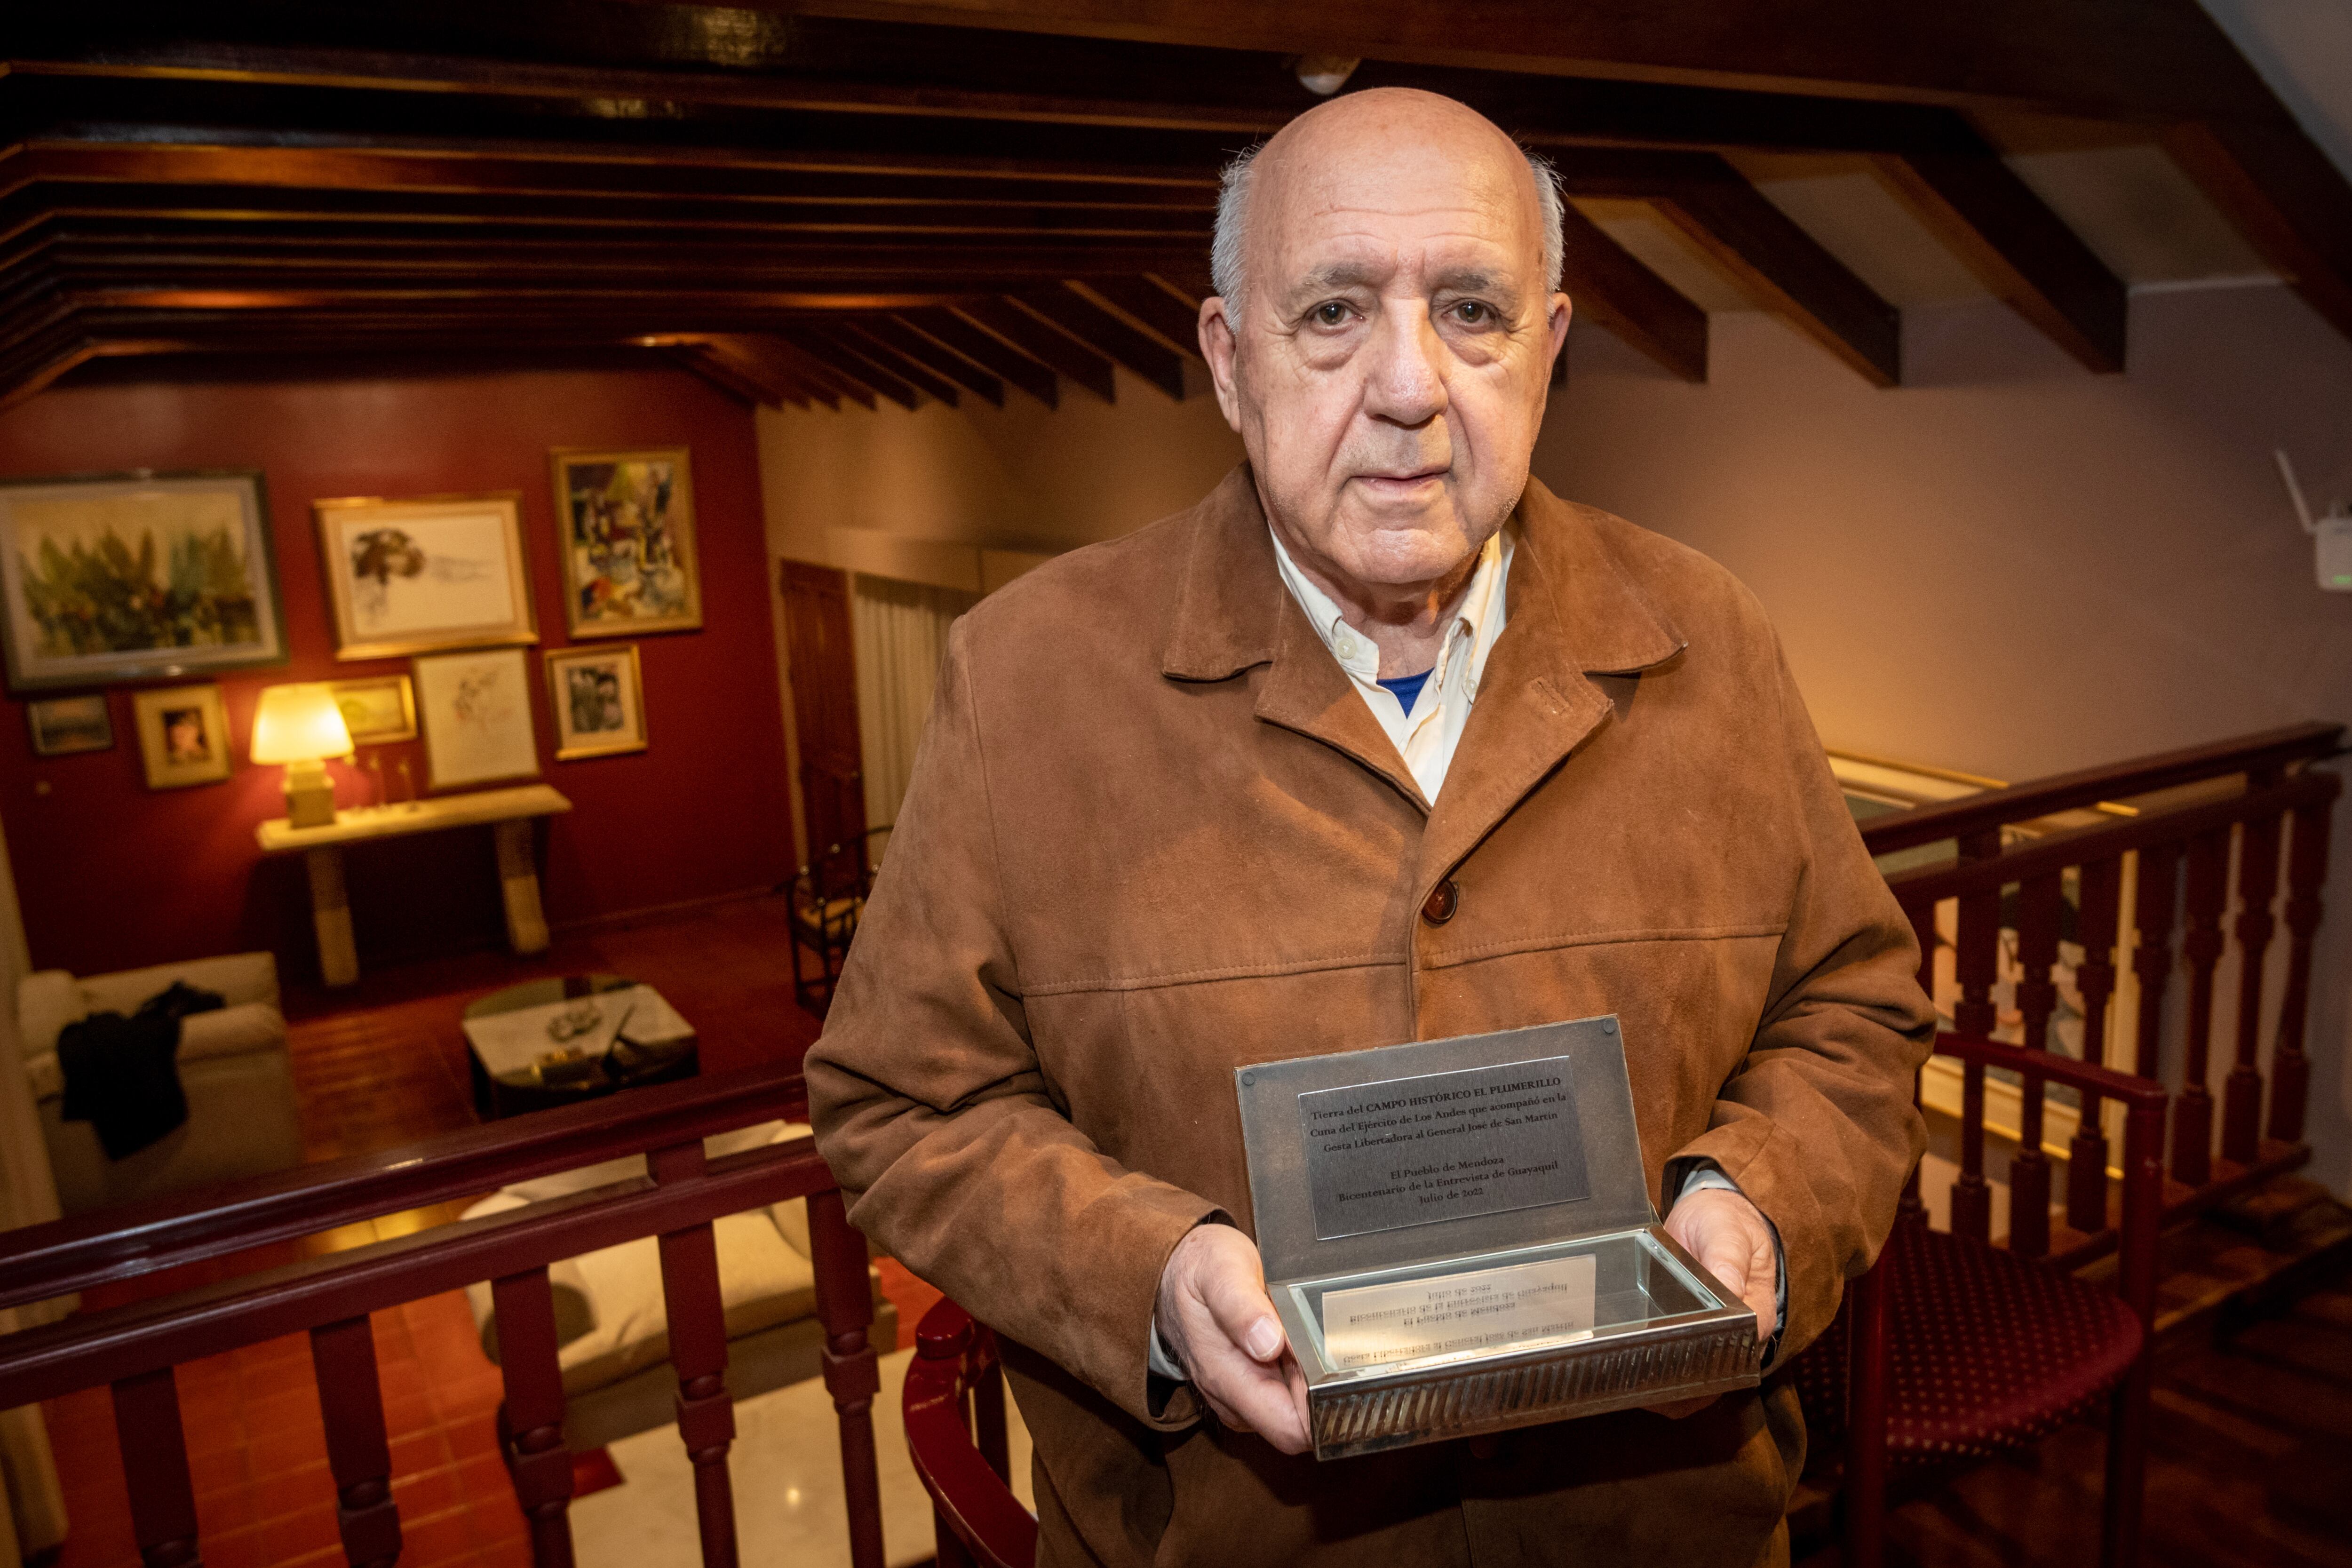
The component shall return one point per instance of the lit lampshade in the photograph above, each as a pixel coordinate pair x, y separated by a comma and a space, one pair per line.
300, 726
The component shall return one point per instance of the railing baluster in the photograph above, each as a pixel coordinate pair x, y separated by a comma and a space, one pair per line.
2160, 886
2192, 1107
2241, 1094
2037, 904
155, 1464
845, 1303
1977, 967
698, 1349
2306, 874
530, 1422
351, 1401
2086, 1156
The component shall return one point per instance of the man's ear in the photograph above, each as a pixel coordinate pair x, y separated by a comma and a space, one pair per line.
1220, 348
1563, 308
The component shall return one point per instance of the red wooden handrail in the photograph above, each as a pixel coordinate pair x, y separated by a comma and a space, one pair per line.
136, 1347
62, 1255
980, 1520
2269, 751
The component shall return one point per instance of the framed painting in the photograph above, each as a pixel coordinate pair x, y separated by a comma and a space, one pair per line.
410, 576
115, 578
626, 525
598, 698
377, 709
64, 725
183, 735
474, 711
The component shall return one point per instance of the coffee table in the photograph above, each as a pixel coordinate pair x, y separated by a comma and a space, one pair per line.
559, 1041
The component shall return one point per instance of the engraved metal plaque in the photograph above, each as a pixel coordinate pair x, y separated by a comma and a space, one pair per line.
1458, 1238
1415, 1151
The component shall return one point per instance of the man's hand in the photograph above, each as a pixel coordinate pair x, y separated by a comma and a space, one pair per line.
1214, 1315
1733, 1241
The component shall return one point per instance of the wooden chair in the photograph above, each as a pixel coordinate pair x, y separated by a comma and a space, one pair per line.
954, 1409
1951, 1349
828, 896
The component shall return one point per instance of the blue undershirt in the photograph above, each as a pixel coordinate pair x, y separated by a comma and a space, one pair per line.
1406, 689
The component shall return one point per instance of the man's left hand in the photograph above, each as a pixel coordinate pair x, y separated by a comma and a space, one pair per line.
1732, 1241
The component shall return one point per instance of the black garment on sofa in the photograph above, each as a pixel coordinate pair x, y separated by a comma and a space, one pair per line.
122, 1075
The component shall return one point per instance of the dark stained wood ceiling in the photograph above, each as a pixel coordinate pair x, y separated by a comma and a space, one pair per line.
1009, 197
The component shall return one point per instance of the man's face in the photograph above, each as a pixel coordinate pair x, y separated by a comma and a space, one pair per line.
1387, 363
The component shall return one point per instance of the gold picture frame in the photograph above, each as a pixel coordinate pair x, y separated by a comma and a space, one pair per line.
624, 531
597, 694
63, 726
184, 736
425, 574
378, 709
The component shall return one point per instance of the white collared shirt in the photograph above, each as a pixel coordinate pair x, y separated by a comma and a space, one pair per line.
1425, 737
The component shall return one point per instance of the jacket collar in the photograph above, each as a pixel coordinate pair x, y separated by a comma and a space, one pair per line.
1567, 592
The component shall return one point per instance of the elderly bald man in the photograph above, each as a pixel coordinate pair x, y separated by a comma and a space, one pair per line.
1380, 742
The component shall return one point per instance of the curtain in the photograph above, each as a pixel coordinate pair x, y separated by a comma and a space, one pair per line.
900, 633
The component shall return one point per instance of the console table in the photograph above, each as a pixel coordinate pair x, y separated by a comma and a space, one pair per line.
507, 812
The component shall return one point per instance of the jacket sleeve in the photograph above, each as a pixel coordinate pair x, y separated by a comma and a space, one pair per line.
1816, 1124
931, 1108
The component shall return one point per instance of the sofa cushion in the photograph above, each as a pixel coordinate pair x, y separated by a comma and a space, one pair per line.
563, 1184
238, 977
231, 1032
45, 1002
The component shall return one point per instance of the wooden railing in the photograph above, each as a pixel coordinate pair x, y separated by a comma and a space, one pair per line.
2248, 821
957, 1438
135, 1348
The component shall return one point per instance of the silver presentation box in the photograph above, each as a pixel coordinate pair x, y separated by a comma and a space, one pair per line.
1459, 1240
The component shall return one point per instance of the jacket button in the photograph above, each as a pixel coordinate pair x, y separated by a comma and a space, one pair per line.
1443, 900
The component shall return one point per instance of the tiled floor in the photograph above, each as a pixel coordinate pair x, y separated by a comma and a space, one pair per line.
375, 1066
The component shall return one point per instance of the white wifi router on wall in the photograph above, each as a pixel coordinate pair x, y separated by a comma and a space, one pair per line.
2331, 534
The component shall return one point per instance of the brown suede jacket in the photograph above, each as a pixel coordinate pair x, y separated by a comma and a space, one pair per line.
1154, 835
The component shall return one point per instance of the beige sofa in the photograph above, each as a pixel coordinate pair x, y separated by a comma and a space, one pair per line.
242, 1119
613, 1325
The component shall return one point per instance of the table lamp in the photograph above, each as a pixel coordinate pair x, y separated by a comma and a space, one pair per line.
301, 727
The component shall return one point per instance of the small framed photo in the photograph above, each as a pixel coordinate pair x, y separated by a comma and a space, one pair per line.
108, 579
64, 725
625, 527
474, 711
598, 696
183, 735
377, 709
409, 576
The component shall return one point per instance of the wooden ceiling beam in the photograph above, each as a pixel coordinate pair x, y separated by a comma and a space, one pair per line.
2285, 196
1155, 305
1618, 292
845, 332
2020, 249
1786, 270
782, 358
848, 361
728, 377
956, 333
764, 371
895, 334
1085, 366
1099, 329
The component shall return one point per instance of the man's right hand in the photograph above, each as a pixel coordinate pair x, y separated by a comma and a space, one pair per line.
1214, 1314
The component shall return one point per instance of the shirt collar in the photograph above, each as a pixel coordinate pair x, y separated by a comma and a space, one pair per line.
1476, 623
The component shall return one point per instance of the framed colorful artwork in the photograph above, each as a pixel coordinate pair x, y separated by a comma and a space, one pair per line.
626, 521
115, 578
409, 576
183, 735
474, 711
376, 709
64, 725
598, 696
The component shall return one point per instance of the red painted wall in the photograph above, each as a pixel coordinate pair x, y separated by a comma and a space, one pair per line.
113, 875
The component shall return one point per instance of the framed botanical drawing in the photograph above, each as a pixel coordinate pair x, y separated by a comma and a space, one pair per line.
474, 711
376, 709
64, 725
183, 735
116, 578
409, 576
626, 525
598, 696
